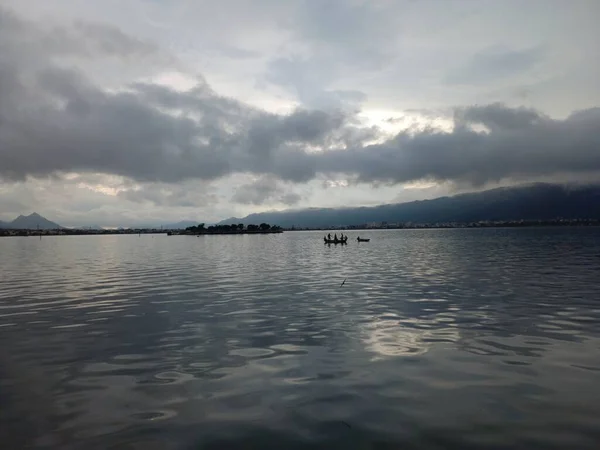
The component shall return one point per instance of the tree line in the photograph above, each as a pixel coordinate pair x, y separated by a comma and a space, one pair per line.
233, 228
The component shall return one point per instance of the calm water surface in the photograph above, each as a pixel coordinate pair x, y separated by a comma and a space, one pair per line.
438, 339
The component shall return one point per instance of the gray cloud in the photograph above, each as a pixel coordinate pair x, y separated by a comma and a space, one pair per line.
59, 121
264, 190
338, 41
518, 142
495, 63
91, 40
54, 119
10, 205
188, 195
497, 117
357, 32
306, 79
79, 39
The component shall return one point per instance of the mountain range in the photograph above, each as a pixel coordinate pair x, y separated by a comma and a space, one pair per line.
30, 222
531, 202
539, 201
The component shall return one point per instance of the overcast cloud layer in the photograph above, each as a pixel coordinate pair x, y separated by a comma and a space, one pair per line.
139, 120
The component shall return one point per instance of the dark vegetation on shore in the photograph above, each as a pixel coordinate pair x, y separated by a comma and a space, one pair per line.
239, 228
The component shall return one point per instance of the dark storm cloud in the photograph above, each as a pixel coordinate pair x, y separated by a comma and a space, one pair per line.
53, 119
497, 117
517, 142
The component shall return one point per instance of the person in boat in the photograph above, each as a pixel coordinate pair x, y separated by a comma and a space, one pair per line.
329, 236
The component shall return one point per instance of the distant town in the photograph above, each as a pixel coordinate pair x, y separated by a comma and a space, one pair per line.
478, 224
265, 228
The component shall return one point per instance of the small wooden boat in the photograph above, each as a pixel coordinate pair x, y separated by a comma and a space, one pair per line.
336, 241
362, 240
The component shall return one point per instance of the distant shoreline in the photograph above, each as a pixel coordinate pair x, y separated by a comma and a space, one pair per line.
63, 232
67, 232
453, 225
561, 223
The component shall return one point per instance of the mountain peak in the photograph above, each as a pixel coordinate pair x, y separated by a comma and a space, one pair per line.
31, 222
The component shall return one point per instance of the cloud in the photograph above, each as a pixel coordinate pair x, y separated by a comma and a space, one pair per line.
55, 119
58, 121
495, 63
497, 117
11, 206
190, 194
306, 79
264, 190
81, 39
357, 32
515, 142
334, 43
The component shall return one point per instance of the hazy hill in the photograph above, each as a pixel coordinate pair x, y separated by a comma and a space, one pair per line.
31, 222
535, 202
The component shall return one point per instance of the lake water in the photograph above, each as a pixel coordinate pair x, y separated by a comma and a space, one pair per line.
438, 339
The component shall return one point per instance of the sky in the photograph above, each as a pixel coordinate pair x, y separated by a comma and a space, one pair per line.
128, 112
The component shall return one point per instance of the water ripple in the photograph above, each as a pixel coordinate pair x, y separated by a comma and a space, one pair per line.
437, 339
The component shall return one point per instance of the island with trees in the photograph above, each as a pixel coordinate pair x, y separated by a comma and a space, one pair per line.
240, 228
